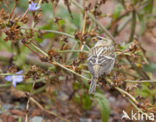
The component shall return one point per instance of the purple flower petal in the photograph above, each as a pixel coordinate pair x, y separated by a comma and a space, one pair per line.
14, 83
34, 7
19, 72
8, 78
15, 78
19, 79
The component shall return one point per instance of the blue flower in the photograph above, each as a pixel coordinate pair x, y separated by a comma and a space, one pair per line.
15, 78
34, 7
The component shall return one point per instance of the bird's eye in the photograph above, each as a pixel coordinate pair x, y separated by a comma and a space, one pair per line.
99, 38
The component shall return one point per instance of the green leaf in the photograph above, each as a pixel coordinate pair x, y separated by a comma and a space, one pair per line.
117, 11
69, 22
19, 119
77, 98
148, 7
24, 87
48, 26
85, 82
103, 105
48, 35
144, 91
46, 9
142, 24
77, 85
61, 22
150, 68
86, 101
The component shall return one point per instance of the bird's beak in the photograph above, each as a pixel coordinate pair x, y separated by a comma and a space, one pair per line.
95, 39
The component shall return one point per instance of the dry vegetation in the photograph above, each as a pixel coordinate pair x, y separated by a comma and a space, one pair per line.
50, 45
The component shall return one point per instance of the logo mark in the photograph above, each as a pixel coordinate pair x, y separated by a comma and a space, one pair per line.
137, 116
125, 115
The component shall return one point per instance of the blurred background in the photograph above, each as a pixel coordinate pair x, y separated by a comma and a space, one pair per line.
48, 92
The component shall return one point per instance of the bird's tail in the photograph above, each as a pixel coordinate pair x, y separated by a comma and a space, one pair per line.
92, 87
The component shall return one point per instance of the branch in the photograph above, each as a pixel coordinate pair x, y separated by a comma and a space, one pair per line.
122, 91
141, 81
95, 20
66, 51
56, 63
59, 33
133, 25
108, 80
47, 111
29, 96
5, 56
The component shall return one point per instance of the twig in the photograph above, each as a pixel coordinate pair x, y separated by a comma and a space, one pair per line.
32, 49
56, 63
52, 31
141, 81
73, 48
12, 11
20, 19
108, 80
58, 32
125, 72
139, 110
132, 99
27, 106
123, 53
122, 26
50, 112
123, 15
84, 23
66, 51
53, 7
5, 85
139, 70
6, 74
40, 89
54, 11
95, 20
39, 3
44, 53
122, 91
133, 25
5, 56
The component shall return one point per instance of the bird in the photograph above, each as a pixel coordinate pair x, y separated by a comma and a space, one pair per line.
101, 60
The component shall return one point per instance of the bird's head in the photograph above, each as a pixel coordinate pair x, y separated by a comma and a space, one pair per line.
102, 41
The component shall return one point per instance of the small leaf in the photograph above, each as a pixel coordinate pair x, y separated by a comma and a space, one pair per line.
61, 22
86, 101
150, 68
77, 98
76, 85
103, 105
142, 24
148, 7
117, 11
24, 87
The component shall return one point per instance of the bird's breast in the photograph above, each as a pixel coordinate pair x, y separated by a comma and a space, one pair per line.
96, 68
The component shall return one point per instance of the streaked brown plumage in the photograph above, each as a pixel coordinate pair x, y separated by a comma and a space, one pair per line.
101, 60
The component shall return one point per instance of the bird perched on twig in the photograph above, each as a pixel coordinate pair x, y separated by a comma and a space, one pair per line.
101, 60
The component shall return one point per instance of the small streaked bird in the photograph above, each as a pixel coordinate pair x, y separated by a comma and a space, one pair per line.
101, 60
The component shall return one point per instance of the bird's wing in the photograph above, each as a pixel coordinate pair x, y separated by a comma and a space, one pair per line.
103, 56
107, 63
90, 68
97, 51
